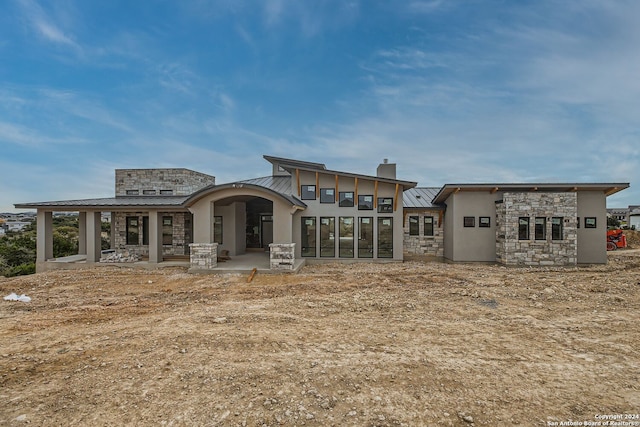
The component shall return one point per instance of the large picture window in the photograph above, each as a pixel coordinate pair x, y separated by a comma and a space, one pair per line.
385, 237
133, 230
541, 228
428, 226
556, 228
217, 229
308, 240
365, 237
414, 226
346, 237
308, 192
365, 203
327, 237
523, 228
327, 195
167, 230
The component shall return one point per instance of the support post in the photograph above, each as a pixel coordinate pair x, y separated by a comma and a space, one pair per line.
44, 242
82, 233
94, 227
155, 237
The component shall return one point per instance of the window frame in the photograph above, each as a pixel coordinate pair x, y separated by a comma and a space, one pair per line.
218, 229
350, 252
484, 222
366, 251
345, 202
540, 233
326, 250
385, 248
385, 205
527, 228
327, 195
306, 192
129, 233
414, 230
308, 251
590, 222
557, 230
428, 225
364, 205
469, 221
167, 230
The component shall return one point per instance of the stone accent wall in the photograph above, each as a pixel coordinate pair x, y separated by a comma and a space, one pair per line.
204, 256
512, 251
282, 256
160, 182
421, 244
180, 243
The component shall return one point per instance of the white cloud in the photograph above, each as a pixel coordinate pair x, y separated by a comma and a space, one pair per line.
45, 25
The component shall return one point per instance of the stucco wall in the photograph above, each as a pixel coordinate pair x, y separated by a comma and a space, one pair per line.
471, 243
592, 242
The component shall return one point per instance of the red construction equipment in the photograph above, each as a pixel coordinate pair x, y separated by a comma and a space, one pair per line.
616, 239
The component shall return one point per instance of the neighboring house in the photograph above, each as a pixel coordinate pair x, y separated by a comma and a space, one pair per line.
634, 217
16, 225
304, 212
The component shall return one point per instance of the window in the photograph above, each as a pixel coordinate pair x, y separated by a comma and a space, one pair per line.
385, 205
308, 192
145, 230
148, 192
308, 240
365, 237
346, 199
428, 226
327, 195
346, 237
133, 232
414, 226
523, 228
556, 228
469, 221
541, 228
590, 222
133, 192
167, 230
385, 237
327, 237
365, 203
484, 221
166, 192
217, 229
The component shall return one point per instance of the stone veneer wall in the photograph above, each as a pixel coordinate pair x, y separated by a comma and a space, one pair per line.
421, 244
182, 182
282, 256
180, 243
204, 256
511, 251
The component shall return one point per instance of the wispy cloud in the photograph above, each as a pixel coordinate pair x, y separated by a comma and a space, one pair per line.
45, 25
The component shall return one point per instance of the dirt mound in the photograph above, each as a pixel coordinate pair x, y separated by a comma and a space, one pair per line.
366, 344
633, 239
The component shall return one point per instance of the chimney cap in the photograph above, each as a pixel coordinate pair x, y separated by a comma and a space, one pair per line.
385, 161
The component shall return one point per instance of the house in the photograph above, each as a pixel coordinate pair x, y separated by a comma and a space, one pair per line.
303, 212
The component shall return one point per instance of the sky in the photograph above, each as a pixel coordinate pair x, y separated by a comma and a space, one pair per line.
451, 91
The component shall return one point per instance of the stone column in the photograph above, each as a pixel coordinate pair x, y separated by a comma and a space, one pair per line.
203, 256
94, 227
282, 256
44, 232
155, 237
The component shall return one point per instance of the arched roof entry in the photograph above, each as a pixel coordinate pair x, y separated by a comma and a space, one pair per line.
241, 192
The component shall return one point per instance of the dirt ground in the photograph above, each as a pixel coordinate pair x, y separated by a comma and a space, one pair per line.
363, 344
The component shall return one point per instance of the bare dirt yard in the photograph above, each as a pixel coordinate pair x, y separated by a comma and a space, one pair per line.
363, 344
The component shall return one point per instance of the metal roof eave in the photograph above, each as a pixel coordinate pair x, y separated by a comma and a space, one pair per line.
607, 188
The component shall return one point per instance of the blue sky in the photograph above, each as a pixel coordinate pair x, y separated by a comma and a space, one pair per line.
451, 91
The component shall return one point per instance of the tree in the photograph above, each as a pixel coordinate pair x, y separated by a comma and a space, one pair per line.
613, 222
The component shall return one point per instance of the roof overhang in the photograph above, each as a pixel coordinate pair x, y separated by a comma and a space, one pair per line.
607, 188
405, 184
122, 203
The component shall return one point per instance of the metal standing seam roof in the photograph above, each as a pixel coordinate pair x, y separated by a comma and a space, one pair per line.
121, 201
420, 197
